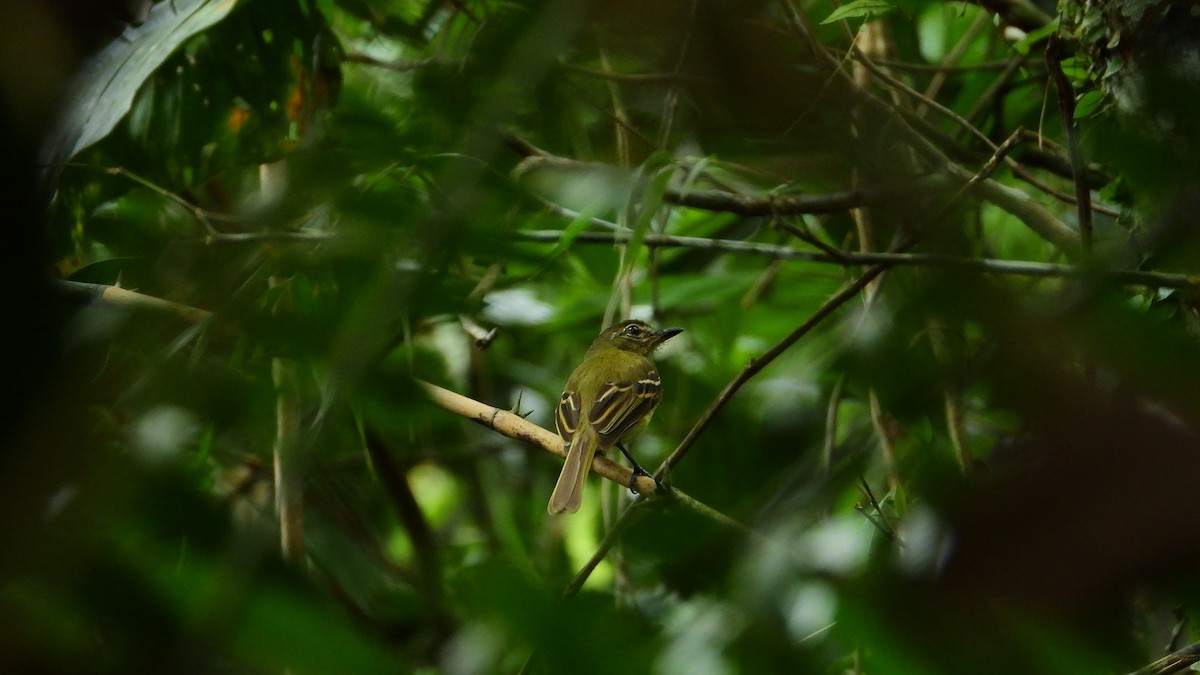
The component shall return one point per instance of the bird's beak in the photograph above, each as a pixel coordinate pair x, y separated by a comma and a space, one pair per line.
666, 334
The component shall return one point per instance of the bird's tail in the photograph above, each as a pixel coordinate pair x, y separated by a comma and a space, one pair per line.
568, 492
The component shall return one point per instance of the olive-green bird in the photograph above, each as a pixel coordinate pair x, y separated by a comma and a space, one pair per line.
608, 399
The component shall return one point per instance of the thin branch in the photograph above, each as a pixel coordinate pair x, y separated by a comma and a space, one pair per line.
420, 534
940, 68
792, 205
611, 537
205, 217
879, 519
288, 473
1066, 108
987, 265
518, 428
625, 78
127, 299
274, 237
763, 361
923, 99
1174, 662
507, 423
1013, 201
956, 53
1035, 216
1011, 67
401, 66
627, 518
1026, 209
742, 204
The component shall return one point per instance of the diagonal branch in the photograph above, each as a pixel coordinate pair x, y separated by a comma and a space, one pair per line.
518, 428
420, 532
1174, 662
755, 366
1066, 107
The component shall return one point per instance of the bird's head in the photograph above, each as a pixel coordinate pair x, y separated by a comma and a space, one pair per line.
635, 336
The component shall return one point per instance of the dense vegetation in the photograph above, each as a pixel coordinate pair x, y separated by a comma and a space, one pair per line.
934, 409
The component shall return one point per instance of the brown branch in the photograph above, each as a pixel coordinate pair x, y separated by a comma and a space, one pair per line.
756, 365
516, 427
127, 299
424, 543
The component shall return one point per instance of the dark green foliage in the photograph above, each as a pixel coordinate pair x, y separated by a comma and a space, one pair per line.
954, 470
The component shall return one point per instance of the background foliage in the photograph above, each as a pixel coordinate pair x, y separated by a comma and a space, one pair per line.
929, 460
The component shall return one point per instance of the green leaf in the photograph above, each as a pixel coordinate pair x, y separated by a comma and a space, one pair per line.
103, 91
1022, 46
1087, 104
860, 8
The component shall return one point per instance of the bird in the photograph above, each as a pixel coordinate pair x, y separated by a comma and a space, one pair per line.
607, 400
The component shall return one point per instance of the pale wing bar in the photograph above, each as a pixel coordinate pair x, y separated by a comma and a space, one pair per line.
620, 405
566, 419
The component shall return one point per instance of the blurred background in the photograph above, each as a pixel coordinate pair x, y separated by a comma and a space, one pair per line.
934, 405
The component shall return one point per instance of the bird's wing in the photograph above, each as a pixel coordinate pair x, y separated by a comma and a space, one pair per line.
566, 419
621, 405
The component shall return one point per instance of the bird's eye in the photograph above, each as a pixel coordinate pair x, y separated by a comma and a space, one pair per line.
633, 330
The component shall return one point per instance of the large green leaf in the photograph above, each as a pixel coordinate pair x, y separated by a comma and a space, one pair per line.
102, 93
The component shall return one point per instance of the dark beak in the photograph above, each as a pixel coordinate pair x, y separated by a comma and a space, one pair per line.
666, 334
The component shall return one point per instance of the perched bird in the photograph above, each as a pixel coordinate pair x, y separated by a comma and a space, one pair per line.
608, 399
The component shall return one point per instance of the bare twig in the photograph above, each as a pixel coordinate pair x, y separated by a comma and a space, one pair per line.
127, 299
420, 534
635, 509
1066, 108
1011, 66
516, 427
289, 476
952, 57
611, 537
756, 365
1174, 662
205, 218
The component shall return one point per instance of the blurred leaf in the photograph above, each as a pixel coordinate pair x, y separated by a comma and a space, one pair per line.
103, 91
860, 8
